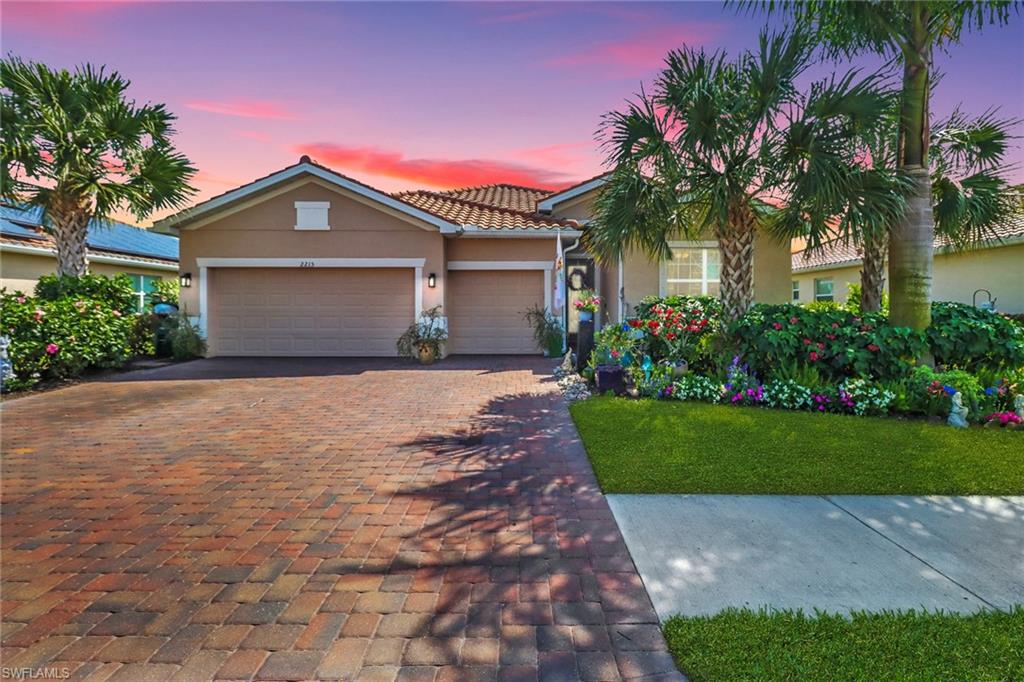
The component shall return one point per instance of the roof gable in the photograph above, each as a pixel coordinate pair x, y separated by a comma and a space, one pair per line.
547, 205
305, 167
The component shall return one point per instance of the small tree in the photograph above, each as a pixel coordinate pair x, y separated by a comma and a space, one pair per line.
78, 148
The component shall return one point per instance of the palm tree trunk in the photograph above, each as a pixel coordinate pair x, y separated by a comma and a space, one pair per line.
70, 224
910, 243
737, 277
872, 273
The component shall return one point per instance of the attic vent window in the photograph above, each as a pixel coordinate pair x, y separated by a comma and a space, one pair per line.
312, 215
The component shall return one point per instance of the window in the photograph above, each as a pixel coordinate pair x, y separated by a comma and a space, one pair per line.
796, 290
312, 215
823, 289
143, 286
692, 271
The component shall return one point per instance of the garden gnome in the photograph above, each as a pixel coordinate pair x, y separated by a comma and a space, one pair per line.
958, 413
1018, 405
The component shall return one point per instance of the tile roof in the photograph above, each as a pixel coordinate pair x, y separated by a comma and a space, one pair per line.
489, 207
837, 254
23, 226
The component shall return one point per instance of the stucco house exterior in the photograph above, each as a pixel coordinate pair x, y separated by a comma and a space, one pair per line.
307, 261
993, 267
27, 252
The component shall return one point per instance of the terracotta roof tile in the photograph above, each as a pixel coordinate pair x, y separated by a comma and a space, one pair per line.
837, 254
455, 206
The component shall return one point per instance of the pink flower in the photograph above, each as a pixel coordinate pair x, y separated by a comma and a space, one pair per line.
793, 320
39, 315
807, 342
117, 313
873, 348
52, 348
20, 299
835, 325
813, 356
777, 326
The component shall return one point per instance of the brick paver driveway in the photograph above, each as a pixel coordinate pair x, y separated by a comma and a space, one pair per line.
331, 519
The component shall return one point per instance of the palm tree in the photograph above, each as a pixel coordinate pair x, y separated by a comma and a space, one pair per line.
971, 199
719, 144
78, 148
908, 33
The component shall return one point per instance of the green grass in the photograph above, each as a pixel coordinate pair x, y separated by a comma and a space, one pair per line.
647, 446
748, 645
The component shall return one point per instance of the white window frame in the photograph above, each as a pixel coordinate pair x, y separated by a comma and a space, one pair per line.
141, 295
663, 280
831, 280
316, 214
795, 296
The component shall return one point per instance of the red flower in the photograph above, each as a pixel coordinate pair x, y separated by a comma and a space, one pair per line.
793, 320
873, 348
821, 346
635, 323
777, 326
813, 356
807, 342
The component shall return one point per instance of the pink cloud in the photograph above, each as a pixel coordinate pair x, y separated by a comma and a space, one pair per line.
441, 173
639, 52
57, 18
560, 154
243, 108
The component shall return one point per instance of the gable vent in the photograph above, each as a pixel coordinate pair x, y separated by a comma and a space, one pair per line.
312, 215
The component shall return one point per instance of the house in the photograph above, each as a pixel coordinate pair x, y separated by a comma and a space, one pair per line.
307, 261
28, 252
994, 267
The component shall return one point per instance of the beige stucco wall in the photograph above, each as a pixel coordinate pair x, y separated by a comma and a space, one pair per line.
21, 271
502, 249
956, 277
359, 229
580, 208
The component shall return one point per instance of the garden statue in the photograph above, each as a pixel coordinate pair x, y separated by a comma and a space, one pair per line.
647, 366
958, 412
1018, 405
567, 365
6, 370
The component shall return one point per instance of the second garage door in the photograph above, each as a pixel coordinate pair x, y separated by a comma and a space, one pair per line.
485, 310
300, 312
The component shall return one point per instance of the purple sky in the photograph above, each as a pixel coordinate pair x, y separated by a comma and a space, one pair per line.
404, 95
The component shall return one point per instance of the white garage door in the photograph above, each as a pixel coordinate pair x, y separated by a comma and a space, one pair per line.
316, 312
485, 310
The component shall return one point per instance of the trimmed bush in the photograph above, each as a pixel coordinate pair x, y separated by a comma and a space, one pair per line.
970, 338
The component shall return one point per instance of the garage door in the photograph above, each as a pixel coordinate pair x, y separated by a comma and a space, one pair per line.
325, 312
485, 310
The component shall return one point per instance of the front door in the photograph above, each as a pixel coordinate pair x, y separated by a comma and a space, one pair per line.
579, 277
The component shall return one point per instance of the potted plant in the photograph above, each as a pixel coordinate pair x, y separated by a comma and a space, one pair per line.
587, 304
424, 338
547, 330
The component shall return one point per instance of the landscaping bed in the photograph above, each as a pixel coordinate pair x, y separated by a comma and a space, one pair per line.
749, 645
652, 446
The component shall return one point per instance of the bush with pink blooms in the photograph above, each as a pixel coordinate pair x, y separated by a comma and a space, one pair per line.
73, 325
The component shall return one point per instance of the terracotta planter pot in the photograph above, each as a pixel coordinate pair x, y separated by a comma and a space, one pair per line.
427, 354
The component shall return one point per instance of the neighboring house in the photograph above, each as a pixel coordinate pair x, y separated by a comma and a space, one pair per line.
28, 252
996, 265
307, 261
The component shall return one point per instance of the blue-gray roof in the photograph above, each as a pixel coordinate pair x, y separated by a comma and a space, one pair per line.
109, 236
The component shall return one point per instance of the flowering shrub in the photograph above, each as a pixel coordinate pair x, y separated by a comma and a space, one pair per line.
838, 343
787, 394
970, 338
742, 387
861, 397
697, 387
55, 338
1003, 418
617, 344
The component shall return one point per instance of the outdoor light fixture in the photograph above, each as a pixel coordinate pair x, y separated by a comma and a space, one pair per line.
185, 280
431, 280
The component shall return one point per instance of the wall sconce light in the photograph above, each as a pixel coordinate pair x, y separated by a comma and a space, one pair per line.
185, 280
431, 280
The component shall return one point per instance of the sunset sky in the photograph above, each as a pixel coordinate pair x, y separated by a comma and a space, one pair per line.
404, 95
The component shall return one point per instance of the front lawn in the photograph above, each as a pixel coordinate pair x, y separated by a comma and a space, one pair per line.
748, 645
647, 446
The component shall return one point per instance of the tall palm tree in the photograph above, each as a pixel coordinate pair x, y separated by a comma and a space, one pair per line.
78, 148
719, 144
908, 33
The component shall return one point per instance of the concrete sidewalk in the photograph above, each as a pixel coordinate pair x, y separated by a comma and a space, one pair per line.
699, 554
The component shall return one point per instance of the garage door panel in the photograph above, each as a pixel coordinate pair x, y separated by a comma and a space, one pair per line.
284, 311
486, 310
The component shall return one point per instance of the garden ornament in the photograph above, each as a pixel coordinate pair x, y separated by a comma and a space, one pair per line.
1018, 405
958, 412
647, 366
567, 364
6, 370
